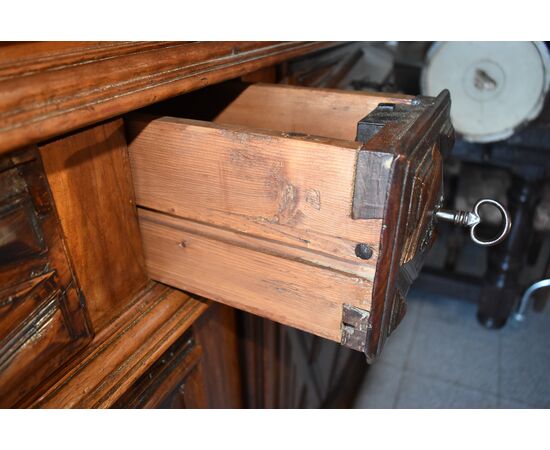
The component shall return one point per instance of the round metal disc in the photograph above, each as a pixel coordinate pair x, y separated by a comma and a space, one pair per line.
496, 87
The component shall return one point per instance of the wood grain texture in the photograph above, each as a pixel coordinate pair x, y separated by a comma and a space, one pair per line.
417, 136
290, 292
216, 333
371, 190
90, 180
43, 317
292, 190
254, 218
125, 350
270, 218
47, 89
175, 380
293, 109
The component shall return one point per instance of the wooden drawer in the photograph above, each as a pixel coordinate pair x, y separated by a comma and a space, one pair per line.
310, 207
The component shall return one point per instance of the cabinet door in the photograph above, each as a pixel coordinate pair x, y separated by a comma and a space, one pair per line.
310, 207
43, 316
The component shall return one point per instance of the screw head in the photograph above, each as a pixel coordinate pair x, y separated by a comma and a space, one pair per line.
363, 251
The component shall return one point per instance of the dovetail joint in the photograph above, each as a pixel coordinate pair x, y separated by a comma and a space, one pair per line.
355, 327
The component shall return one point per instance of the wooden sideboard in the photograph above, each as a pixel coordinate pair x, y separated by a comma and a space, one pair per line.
81, 322
124, 220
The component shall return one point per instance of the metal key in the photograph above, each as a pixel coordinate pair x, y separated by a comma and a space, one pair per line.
472, 219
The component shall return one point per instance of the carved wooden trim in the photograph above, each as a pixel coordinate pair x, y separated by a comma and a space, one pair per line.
65, 86
124, 350
414, 135
43, 316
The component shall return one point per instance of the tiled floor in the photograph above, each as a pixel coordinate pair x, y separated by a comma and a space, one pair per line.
440, 357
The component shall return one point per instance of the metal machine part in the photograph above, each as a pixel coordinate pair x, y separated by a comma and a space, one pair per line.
496, 87
522, 307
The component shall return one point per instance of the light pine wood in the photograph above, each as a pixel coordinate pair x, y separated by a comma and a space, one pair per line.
296, 191
322, 112
290, 292
259, 218
90, 179
272, 247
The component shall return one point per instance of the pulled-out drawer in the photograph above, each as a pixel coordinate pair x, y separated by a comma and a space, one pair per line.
310, 207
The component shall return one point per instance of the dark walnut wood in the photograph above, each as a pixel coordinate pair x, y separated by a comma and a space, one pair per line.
175, 381
51, 88
125, 349
43, 316
81, 322
154, 346
402, 159
287, 368
201, 370
216, 332
136, 321
90, 179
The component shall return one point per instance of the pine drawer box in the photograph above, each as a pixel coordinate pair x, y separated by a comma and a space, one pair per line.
310, 207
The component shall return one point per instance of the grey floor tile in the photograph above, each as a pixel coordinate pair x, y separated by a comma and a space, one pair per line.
441, 357
450, 346
420, 391
399, 342
379, 390
534, 331
525, 374
525, 360
449, 310
472, 260
506, 403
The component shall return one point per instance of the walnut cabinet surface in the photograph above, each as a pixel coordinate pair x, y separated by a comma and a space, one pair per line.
310, 207
125, 235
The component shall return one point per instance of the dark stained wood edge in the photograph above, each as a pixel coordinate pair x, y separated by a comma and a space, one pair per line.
421, 136
164, 377
369, 193
118, 356
413, 131
216, 333
101, 97
58, 326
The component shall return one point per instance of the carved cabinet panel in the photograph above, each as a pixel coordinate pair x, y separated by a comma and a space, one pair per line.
175, 380
43, 317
